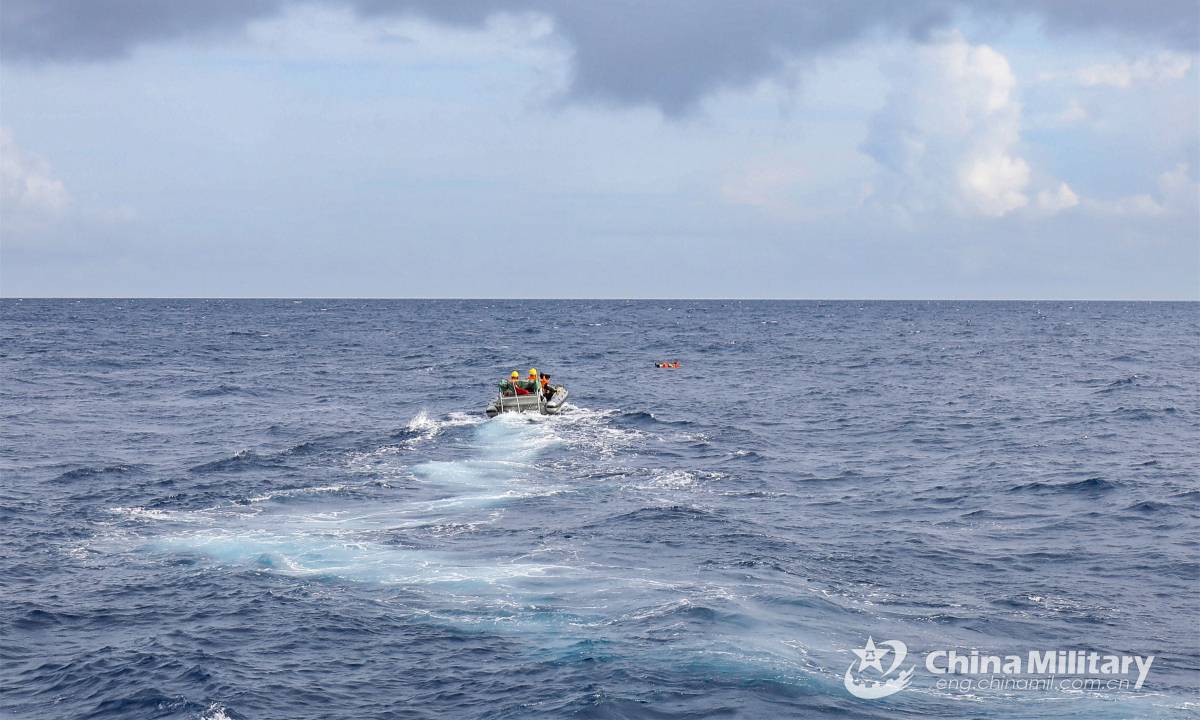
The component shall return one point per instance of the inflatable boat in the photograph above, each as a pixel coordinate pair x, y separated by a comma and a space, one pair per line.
528, 403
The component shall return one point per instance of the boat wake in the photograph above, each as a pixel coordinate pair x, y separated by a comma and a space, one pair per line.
442, 549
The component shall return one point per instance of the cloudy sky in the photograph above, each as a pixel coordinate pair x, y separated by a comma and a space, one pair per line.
991, 149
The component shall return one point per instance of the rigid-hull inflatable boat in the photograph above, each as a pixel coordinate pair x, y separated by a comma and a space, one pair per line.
534, 403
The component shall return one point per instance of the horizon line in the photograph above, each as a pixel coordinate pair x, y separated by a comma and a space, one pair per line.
582, 299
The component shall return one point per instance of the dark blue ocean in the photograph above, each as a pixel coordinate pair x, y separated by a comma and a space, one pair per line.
298, 509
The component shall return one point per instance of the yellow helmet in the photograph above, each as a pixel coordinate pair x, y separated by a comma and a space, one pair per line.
516, 374
533, 371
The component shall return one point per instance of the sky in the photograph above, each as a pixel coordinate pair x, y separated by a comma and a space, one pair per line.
934, 149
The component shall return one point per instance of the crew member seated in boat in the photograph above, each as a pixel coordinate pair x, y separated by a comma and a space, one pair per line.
547, 390
528, 386
516, 386
508, 386
531, 383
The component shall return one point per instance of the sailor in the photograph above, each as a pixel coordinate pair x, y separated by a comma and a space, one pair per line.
547, 390
530, 384
508, 387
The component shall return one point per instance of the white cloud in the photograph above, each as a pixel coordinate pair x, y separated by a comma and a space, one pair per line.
30, 197
992, 182
1161, 68
1177, 189
948, 132
1072, 114
1061, 198
36, 209
1177, 194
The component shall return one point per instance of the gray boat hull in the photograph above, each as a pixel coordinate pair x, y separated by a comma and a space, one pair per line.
528, 404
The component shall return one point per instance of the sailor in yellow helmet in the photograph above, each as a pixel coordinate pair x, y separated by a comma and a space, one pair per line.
531, 383
508, 387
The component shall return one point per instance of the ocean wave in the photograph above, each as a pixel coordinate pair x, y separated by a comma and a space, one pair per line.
217, 711
141, 513
1121, 384
241, 461
298, 492
219, 390
87, 473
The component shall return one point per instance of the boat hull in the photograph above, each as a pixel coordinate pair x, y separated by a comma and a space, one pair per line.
528, 404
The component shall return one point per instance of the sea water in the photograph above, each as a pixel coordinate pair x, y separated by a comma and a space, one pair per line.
298, 509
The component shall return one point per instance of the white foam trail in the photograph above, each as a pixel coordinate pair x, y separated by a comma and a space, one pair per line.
297, 492
505, 446
461, 418
553, 600
348, 558
341, 540
422, 423
215, 712
141, 513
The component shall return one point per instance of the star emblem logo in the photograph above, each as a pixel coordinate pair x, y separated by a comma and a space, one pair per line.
882, 685
870, 656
